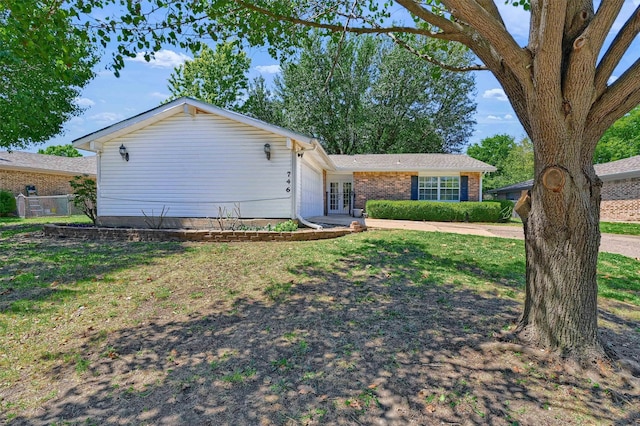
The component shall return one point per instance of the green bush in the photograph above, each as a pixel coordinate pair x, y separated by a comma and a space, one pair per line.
466, 211
86, 194
288, 226
506, 209
7, 203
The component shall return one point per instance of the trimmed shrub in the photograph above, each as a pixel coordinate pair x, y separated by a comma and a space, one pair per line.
7, 203
288, 226
466, 211
506, 207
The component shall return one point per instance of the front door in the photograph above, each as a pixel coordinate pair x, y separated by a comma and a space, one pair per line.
340, 197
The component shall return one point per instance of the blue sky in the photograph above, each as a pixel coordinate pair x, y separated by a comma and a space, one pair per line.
143, 85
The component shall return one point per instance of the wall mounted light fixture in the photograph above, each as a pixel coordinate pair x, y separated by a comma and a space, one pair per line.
267, 150
123, 152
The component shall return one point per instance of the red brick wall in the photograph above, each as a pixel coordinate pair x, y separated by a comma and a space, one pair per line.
621, 200
46, 184
381, 186
396, 186
474, 184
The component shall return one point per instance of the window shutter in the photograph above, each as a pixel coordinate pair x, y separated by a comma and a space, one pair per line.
414, 187
464, 188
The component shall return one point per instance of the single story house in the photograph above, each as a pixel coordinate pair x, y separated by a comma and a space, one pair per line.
620, 189
189, 159
49, 174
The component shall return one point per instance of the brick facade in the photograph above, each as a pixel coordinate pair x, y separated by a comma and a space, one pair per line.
621, 200
381, 186
46, 184
474, 184
396, 186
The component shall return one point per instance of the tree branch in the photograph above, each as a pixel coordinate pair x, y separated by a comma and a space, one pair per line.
341, 28
547, 62
433, 60
599, 27
339, 49
617, 100
491, 8
426, 15
494, 33
616, 51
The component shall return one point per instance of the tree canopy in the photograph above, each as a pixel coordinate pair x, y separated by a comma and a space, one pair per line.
514, 160
61, 151
216, 76
368, 95
45, 63
621, 140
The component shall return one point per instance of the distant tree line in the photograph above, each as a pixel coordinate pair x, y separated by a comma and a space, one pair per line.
357, 94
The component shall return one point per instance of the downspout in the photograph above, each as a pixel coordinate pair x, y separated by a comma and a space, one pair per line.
480, 186
98, 178
308, 224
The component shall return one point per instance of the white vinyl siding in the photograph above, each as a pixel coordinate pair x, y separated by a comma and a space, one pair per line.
311, 190
193, 166
439, 188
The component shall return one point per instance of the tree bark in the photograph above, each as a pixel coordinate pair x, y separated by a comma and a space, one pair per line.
562, 239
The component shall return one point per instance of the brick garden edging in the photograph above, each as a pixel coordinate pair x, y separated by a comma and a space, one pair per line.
131, 234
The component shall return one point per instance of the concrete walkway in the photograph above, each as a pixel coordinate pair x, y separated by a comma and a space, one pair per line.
625, 245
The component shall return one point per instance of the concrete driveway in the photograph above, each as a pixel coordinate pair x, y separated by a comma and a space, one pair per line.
625, 245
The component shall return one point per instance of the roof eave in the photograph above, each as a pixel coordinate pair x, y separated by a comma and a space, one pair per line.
621, 175
93, 141
413, 169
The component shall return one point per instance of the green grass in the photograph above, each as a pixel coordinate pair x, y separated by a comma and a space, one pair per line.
4, 221
75, 295
623, 228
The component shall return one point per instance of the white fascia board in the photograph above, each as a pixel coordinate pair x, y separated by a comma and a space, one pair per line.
414, 169
190, 106
619, 176
91, 141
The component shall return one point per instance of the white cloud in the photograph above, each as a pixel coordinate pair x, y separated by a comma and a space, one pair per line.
268, 69
508, 116
84, 102
493, 117
159, 95
106, 117
163, 59
613, 78
516, 20
496, 93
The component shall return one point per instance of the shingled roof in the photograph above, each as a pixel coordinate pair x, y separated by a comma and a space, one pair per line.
409, 162
28, 161
613, 170
619, 169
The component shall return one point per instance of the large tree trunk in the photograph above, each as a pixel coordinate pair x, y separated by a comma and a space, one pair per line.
562, 239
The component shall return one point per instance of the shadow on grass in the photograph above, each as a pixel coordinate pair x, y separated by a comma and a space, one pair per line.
371, 340
32, 266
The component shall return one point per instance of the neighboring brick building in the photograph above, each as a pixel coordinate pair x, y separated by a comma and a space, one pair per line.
437, 177
48, 173
620, 189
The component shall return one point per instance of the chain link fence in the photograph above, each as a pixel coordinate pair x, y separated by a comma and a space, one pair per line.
38, 206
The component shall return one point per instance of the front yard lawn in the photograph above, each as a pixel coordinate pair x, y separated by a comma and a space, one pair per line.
391, 326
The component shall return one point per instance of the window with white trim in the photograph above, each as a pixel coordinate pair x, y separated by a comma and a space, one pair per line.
439, 188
